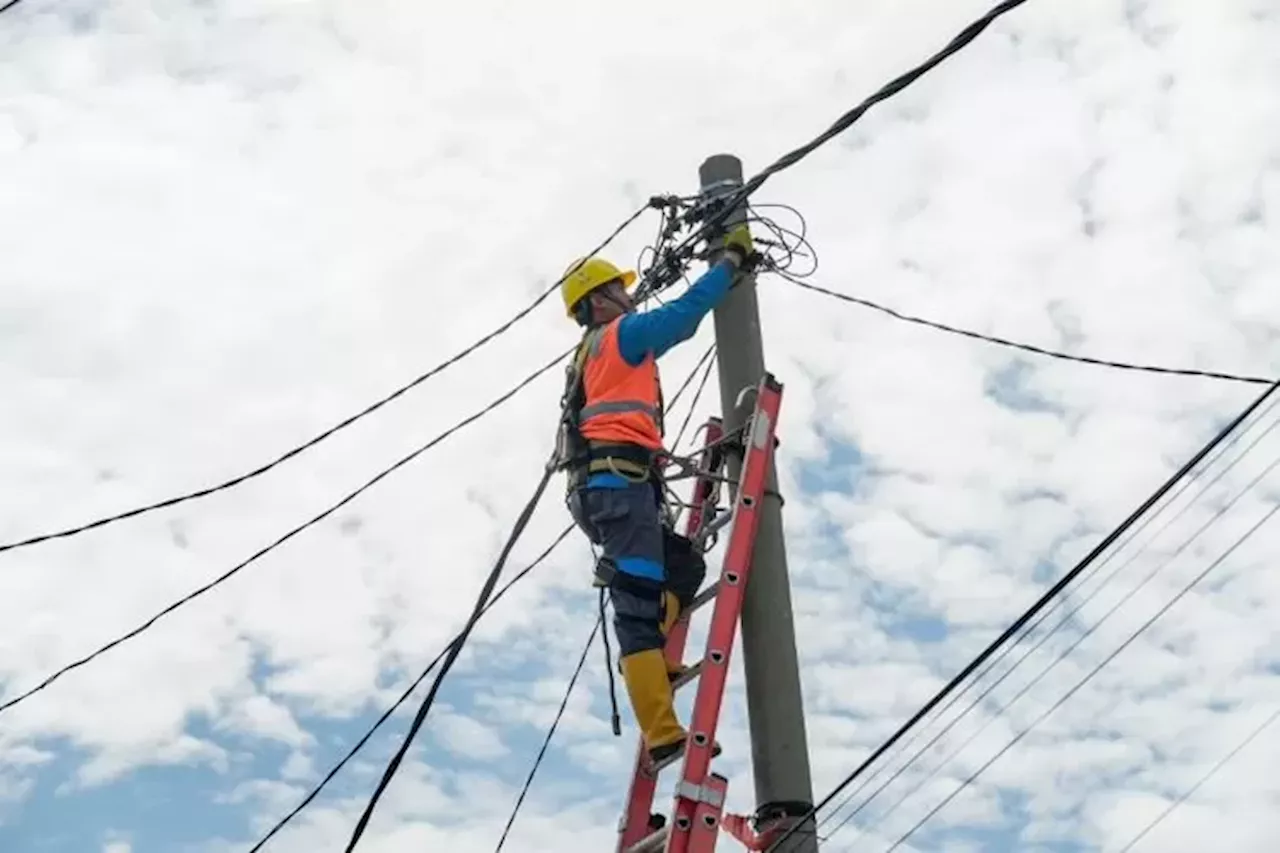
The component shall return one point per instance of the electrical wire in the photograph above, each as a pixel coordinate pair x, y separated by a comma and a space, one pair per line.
1052, 593
551, 732
404, 697
689, 381
1043, 617
1226, 759
723, 206
1089, 676
1026, 688
455, 649
225, 576
7, 6
1031, 348
338, 427
452, 655
537, 762
702, 385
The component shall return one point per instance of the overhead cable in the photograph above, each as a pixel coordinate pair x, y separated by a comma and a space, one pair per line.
404, 697
1043, 617
338, 427
1065, 653
452, 655
537, 762
727, 203
262, 552
1186, 795
1031, 348
1088, 676
1021, 622
456, 646
551, 733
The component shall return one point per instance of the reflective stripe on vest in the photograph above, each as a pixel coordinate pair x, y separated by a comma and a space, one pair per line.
622, 402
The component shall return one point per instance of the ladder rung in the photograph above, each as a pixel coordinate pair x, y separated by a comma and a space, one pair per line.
689, 675
705, 596
651, 843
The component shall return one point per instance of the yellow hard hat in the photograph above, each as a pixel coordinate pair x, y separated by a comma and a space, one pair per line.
593, 273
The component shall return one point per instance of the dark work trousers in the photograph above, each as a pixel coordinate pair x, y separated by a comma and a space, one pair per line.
641, 559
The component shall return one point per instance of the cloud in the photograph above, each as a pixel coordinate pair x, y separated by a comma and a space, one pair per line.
227, 226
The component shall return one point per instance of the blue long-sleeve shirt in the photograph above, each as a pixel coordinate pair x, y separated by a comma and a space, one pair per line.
660, 329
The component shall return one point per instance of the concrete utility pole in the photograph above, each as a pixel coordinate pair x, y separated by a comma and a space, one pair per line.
779, 746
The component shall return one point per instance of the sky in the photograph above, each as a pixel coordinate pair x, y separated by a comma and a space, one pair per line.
227, 225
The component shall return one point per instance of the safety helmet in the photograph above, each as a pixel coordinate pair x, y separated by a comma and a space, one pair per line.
594, 273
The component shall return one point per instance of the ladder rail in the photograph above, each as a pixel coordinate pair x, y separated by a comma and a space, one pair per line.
634, 826
699, 795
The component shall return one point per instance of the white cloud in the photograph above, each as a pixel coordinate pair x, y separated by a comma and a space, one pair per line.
228, 226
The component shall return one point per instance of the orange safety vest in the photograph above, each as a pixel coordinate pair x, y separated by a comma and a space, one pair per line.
623, 404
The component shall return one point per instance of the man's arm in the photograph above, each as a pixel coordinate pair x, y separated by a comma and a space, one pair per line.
662, 328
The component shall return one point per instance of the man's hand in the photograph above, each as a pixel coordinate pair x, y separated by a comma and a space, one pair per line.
738, 244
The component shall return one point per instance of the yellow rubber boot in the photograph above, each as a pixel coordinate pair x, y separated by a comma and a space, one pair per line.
645, 674
670, 614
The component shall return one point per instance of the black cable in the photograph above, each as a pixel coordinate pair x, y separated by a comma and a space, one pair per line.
7, 6
315, 792
1089, 676
404, 697
454, 649
599, 623
1042, 618
706, 374
1031, 612
346, 422
728, 203
546, 742
689, 381
1222, 762
1065, 653
286, 537
991, 339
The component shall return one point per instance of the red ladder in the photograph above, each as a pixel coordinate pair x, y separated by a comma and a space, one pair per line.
700, 793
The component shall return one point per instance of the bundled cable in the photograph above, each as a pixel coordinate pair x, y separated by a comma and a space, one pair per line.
660, 202
1022, 621
262, 552
1147, 521
1030, 348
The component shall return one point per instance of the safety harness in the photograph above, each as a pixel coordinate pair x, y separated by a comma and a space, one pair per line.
580, 457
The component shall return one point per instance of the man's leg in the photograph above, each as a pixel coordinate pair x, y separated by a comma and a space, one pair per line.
685, 570
630, 535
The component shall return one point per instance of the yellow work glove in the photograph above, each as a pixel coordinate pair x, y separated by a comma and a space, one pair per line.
738, 241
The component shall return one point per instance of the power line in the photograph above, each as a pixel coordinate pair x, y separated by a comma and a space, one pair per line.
702, 386
1026, 688
1201, 781
726, 204
551, 732
338, 427
452, 655
7, 6
287, 536
645, 290
1089, 676
1030, 613
1031, 348
1043, 617
404, 697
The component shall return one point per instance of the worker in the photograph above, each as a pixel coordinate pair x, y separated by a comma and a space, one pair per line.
615, 491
